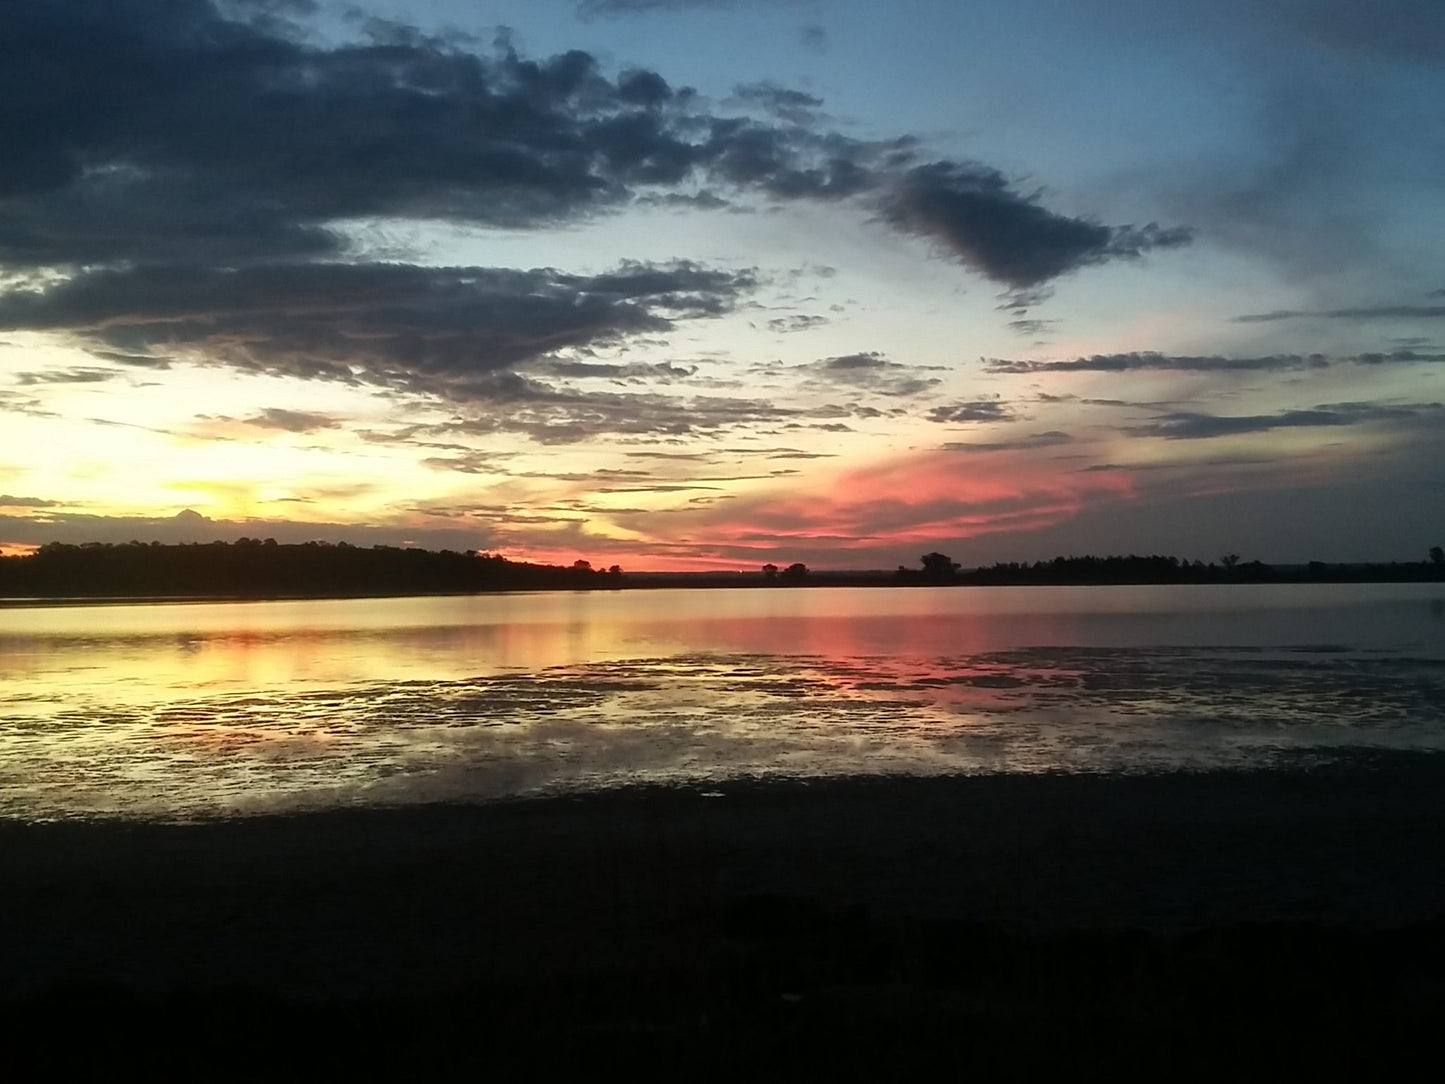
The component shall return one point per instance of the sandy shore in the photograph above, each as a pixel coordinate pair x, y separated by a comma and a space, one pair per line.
760, 916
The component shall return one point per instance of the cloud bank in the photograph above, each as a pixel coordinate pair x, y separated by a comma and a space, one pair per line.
200, 139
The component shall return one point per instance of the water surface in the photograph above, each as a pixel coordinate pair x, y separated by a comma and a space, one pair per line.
217, 708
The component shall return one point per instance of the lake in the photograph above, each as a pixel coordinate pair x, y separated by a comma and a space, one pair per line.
178, 710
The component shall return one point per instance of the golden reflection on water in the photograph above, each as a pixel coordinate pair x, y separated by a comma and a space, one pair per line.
177, 709
133, 652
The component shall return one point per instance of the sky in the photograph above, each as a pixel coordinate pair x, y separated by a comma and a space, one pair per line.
697, 284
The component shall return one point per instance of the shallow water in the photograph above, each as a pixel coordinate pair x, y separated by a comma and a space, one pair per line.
218, 708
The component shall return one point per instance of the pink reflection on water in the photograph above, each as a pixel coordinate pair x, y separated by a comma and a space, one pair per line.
226, 706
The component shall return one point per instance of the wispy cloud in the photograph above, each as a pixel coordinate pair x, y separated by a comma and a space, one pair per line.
973, 410
291, 421
868, 371
1155, 362
1051, 438
1185, 425
1144, 362
1374, 312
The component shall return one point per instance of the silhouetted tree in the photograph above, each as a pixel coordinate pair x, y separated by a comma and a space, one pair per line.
1437, 556
795, 572
939, 566
770, 571
582, 566
1229, 560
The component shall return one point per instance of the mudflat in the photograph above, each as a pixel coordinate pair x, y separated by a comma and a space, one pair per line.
849, 923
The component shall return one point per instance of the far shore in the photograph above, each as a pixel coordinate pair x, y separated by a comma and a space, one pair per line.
713, 581
264, 569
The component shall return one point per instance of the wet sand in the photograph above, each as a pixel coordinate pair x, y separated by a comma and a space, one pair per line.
1013, 924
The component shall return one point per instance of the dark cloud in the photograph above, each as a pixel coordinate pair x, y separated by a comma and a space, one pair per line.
795, 163
1378, 312
973, 211
1154, 362
1148, 361
197, 137
692, 457
660, 372
561, 416
813, 37
661, 487
798, 322
291, 421
974, 410
442, 331
467, 463
1186, 425
705, 200
78, 375
1399, 357
191, 526
9, 500
869, 371
1050, 439
135, 361
795, 106
1032, 327
198, 140
446, 333
1182, 465
871, 361
593, 8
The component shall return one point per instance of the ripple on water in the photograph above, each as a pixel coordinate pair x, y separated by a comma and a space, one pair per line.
703, 717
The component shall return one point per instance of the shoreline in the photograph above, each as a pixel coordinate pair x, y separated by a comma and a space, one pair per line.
1355, 844
819, 581
731, 913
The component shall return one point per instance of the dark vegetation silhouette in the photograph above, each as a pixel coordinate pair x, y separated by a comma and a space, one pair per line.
1155, 568
260, 567
939, 566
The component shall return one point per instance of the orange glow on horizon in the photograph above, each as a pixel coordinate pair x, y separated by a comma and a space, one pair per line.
931, 499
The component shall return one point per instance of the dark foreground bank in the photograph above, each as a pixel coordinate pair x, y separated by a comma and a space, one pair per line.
1260, 924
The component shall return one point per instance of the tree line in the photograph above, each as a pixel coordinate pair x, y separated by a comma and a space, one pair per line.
262, 567
254, 568
1156, 568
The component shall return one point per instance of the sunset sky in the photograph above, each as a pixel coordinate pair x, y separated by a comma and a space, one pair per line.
706, 284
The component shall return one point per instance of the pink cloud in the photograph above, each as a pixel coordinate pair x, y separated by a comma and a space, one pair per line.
872, 513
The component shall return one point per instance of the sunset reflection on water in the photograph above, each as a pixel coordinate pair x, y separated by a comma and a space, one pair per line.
134, 650
182, 709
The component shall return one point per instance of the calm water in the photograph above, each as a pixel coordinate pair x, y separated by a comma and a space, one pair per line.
216, 708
